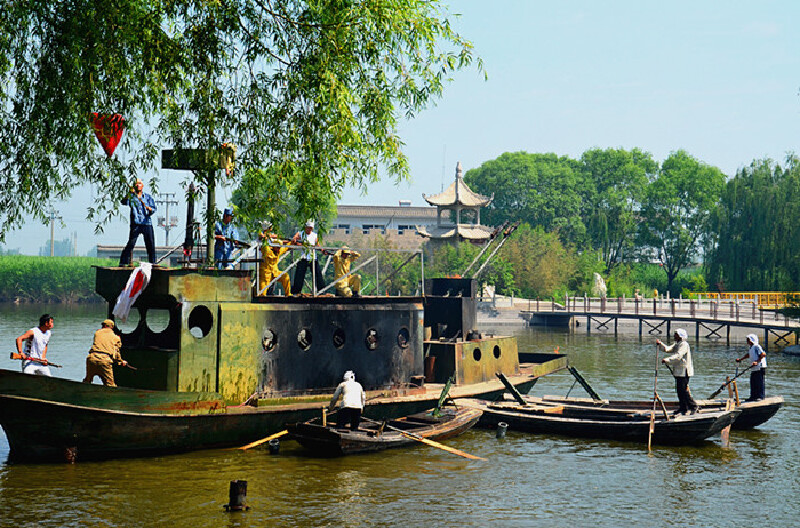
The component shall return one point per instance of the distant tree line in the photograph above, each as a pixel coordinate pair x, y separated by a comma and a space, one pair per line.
619, 213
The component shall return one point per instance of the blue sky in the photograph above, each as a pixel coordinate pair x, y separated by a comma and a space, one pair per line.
718, 79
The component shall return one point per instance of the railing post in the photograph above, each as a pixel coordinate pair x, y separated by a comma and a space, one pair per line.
636, 305
602, 305
619, 304
692, 308
655, 306
672, 306
731, 305
737, 310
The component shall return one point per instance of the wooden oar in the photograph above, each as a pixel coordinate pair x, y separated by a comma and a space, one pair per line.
427, 441
263, 440
716, 392
652, 428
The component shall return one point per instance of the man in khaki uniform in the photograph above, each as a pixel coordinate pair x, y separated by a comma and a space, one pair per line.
342, 261
103, 354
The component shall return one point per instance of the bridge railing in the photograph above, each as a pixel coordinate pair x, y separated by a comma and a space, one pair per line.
715, 309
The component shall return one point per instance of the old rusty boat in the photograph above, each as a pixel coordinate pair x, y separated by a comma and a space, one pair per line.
373, 436
537, 416
232, 367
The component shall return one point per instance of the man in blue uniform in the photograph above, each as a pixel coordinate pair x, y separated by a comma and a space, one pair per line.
225, 234
142, 208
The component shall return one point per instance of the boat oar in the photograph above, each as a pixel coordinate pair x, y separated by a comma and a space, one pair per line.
263, 440
716, 392
652, 428
427, 441
273, 436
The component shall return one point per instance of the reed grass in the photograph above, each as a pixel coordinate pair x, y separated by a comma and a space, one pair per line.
26, 279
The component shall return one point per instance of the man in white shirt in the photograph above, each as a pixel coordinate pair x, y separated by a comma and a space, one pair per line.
35, 341
308, 239
758, 368
680, 363
353, 400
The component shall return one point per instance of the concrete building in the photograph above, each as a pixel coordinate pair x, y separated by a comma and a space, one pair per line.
360, 225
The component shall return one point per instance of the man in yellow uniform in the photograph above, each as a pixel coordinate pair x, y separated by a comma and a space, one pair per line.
103, 354
271, 251
342, 260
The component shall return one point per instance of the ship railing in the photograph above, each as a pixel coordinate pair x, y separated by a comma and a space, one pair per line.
379, 267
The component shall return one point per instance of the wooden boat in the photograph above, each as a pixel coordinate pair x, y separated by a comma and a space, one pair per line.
589, 422
754, 413
376, 436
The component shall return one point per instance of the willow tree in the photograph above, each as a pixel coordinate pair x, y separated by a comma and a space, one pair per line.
311, 89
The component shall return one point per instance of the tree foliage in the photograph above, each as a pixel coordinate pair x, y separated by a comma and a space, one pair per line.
311, 89
614, 182
675, 218
541, 189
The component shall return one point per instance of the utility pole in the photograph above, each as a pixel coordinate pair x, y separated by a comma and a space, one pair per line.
53, 216
167, 221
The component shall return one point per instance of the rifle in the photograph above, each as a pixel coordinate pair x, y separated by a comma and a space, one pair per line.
23, 357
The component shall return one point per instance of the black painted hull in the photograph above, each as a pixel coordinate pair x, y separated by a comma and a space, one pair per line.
681, 430
330, 441
754, 413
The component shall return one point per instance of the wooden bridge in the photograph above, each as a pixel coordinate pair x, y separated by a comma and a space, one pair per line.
656, 316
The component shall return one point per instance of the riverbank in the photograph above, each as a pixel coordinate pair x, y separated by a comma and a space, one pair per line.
26, 279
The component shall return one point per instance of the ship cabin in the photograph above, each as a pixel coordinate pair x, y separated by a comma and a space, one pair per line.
222, 337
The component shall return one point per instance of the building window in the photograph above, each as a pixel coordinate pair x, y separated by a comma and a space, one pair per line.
343, 227
366, 228
401, 228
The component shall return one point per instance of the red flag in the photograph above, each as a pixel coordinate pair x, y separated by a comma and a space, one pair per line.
108, 128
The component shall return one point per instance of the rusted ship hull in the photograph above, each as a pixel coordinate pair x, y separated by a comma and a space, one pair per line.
159, 422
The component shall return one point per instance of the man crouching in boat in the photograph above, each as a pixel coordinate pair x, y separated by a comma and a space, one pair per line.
353, 400
103, 354
680, 364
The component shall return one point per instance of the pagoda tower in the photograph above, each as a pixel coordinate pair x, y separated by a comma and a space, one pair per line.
458, 214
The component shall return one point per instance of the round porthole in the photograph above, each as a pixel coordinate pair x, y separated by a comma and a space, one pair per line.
130, 324
269, 340
402, 337
371, 340
496, 352
304, 339
338, 338
157, 320
200, 321
476, 354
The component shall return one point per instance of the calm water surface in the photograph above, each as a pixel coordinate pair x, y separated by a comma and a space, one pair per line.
528, 480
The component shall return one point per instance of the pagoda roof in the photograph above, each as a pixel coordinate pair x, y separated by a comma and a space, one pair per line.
458, 194
462, 231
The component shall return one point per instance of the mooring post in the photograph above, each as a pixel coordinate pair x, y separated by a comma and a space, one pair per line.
237, 496
640, 329
696, 331
728, 334
588, 324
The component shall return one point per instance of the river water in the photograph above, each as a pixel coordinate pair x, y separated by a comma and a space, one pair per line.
528, 480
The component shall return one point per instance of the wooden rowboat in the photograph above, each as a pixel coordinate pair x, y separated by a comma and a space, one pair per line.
376, 436
605, 423
754, 413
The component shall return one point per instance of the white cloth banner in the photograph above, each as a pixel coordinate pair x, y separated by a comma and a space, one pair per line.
137, 282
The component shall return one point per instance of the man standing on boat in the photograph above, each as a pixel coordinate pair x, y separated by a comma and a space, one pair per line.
342, 260
758, 368
307, 238
103, 354
142, 208
680, 364
226, 236
36, 340
353, 400
272, 249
